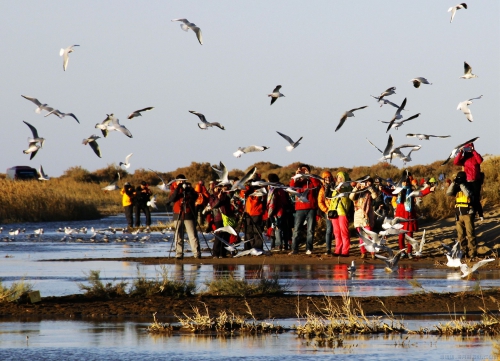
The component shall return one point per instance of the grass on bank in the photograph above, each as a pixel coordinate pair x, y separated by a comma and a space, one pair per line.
15, 291
231, 286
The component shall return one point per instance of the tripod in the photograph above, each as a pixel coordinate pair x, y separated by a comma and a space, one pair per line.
180, 228
243, 225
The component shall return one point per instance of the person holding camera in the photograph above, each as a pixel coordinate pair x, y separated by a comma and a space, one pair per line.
323, 204
128, 194
142, 196
183, 196
471, 161
255, 206
279, 211
364, 216
337, 213
462, 190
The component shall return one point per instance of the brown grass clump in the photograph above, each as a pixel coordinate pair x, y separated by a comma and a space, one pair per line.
15, 291
98, 289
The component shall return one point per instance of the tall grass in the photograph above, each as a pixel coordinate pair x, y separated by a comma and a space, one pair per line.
15, 291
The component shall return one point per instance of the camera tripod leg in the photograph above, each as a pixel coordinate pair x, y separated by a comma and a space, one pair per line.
259, 231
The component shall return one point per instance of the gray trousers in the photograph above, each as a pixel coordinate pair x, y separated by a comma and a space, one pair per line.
189, 227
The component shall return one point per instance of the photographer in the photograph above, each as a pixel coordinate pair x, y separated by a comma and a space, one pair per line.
128, 195
471, 161
464, 213
142, 196
184, 196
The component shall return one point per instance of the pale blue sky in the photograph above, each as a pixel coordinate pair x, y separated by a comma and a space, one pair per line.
329, 56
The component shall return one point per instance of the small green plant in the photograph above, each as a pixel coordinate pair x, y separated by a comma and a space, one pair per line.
417, 285
231, 286
99, 289
162, 285
15, 291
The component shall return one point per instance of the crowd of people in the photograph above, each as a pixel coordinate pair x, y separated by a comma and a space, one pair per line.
288, 214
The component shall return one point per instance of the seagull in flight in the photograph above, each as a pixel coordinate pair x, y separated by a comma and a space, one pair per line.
32, 148
425, 136
127, 161
275, 94
222, 173
454, 9
454, 254
467, 272
162, 186
387, 151
385, 101
419, 80
112, 123
249, 149
293, 144
348, 113
152, 202
65, 54
61, 114
468, 72
186, 25
463, 106
39, 105
35, 138
391, 263
387, 92
396, 125
418, 246
93, 144
204, 123
42, 175
112, 186
397, 115
137, 113
241, 183
455, 150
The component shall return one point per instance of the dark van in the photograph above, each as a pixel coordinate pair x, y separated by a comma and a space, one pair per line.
22, 172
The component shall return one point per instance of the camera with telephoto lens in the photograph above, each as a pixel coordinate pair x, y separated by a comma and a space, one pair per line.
459, 179
186, 185
467, 149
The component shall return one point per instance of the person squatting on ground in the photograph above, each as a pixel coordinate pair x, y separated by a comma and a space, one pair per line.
364, 215
324, 204
255, 206
279, 212
220, 202
305, 210
201, 201
184, 196
128, 195
340, 206
462, 190
142, 197
471, 161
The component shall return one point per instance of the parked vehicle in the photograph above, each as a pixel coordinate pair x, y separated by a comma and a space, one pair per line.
22, 172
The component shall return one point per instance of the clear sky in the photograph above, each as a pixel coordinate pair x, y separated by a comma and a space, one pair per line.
329, 56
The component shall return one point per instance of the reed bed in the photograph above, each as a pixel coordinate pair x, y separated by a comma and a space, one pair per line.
16, 291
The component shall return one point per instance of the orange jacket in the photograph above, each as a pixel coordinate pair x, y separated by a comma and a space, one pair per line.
203, 195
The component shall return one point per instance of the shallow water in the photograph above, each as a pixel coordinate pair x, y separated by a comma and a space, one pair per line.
81, 340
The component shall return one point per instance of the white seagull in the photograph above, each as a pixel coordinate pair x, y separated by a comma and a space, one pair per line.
386, 153
466, 271
112, 186
419, 80
385, 101
397, 115
293, 144
112, 123
186, 25
39, 105
62, 115
65, 54
454, 9
391, 263
32, 148
418, 246
241, 183
137, 113
127, 161
455, 150
275, 94
252, 252
163, 185
352, 268
251, 148
222, 173
93, 144
387, 92
348, 113
454, 254
42, 175
425, 136
396, 125
468, 72
204, 123
152, 202
463, 106
35, 138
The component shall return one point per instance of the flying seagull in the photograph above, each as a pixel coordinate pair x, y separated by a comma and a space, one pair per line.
396, 125
112, 186
62, 115
425, 136
418, 246
293, 144
204, 123
36, 138
348, 113
397, 115
468, 72
137, 113
463, 106
93, 144
466, 271
152, 202
112, 123
249, 149
387, 151
39, 105
385, 101
127, 163
65, 54
186, 25
222, 173
275, 94
162, 186
42, 175
391, 263
419, 80
241, 183
387, 92
32, 148
454, 9
455, 150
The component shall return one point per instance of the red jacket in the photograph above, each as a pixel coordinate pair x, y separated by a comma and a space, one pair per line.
307, 183
471, 161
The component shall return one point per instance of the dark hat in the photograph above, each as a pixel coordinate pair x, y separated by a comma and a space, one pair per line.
180, 176
126, 184
143, 183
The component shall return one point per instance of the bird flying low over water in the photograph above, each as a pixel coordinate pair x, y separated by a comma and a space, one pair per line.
391, 263
417, 246
93, 144
293, 144
204, 123
348, 113
275, 94
249, 149
62, 115
463, 106
186, 25
468, 72
127, 161
455, 150
467, 272
426, 136
65, 54
454, 9
39, 105
137, 113
419, 80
